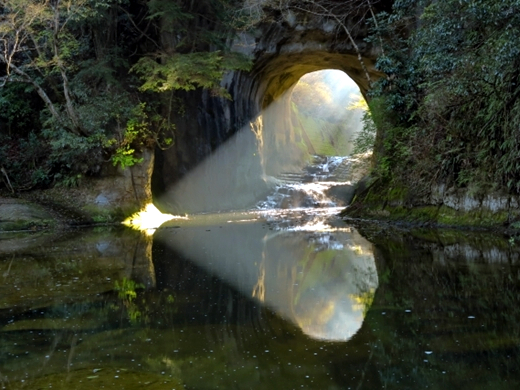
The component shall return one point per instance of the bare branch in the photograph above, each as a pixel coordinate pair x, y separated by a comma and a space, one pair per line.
328, 13
2, 169
376, 25
39, 90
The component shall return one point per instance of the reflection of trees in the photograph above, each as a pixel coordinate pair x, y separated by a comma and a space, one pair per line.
462, 326
313, 96
363, 300
127, 292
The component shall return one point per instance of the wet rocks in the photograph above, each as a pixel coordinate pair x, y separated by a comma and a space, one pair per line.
18, 214
342, 194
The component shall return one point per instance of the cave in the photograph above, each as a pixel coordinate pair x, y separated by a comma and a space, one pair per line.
232, 131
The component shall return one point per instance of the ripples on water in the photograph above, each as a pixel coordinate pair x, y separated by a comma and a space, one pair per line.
267, 299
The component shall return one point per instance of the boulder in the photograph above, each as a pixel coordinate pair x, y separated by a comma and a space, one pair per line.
18, 214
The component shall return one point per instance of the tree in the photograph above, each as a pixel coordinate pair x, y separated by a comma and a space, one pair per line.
189, 57
75, 56
449, 110
37, 44
470, 59
51, 49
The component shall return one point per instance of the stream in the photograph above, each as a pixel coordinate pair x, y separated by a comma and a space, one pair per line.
283, 296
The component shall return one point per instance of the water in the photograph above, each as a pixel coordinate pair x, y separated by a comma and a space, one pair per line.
321, 184
266, 299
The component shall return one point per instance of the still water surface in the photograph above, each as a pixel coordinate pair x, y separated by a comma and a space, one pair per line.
259, 300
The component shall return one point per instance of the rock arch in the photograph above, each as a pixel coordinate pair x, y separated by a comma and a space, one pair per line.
283, 51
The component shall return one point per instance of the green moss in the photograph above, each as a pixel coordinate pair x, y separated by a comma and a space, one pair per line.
443, 215
387, 200
480, 217
397, 193
393, 204
26, 225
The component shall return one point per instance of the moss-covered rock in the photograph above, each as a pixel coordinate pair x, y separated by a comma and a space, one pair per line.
17, 214
376, 199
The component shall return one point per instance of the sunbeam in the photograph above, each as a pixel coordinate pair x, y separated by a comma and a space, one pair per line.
322, 279
282, 138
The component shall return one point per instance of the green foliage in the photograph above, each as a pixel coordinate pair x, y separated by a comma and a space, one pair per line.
24, 160
61, 96
68, 101
17, 115
170, 12
451, 103
144, 129
70, 156
189, 71
470, 58
126, 290
195, 57
365, 140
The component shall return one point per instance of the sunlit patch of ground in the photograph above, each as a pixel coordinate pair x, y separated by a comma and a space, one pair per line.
149, 219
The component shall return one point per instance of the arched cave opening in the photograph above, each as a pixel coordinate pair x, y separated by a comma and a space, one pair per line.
320, 114
260, 131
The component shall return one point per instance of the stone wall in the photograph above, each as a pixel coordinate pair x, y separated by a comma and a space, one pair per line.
442, 205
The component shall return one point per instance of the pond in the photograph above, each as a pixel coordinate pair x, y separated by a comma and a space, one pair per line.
284, 299
284, 296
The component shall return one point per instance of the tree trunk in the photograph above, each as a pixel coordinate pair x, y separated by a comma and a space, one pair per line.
43, 95
71, 112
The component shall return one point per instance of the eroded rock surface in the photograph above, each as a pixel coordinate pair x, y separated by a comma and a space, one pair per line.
17, 214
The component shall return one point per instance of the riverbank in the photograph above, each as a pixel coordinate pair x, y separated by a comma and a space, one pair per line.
440, 207
51, 209
108, 199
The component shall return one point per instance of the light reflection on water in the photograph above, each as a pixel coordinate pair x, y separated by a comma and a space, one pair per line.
320, 277
251, 301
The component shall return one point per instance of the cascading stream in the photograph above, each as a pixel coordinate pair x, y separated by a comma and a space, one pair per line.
323, 183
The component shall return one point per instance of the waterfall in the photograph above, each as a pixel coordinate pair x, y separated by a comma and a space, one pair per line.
323, 183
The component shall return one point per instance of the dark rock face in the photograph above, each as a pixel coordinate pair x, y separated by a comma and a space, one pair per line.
341, 194
282, 51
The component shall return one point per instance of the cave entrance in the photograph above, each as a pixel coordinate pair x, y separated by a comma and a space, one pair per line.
318, 115
303, 112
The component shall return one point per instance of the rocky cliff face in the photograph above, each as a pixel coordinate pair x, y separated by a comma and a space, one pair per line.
256, 132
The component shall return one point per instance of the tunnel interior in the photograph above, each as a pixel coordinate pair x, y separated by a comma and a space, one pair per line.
292, 115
